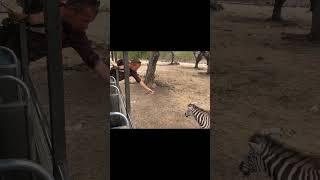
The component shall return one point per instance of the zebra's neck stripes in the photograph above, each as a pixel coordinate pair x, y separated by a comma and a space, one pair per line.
282, 163
201, 116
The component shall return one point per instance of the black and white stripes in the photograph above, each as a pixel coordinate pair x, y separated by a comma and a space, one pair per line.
279, 162
201, 116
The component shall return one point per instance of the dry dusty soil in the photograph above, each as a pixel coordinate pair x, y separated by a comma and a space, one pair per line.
176, 86
262, 80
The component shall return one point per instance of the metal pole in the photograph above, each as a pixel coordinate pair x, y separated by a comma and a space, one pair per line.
126, 81
123, 117
25, 72
117, 77
112, 58
56, 88
24, 166
24, 48
211, 97
24, 43
117, 70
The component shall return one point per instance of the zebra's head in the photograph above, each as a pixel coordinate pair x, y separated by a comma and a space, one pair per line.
250, 163
188, 113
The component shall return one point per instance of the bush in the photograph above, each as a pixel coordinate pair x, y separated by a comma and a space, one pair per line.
135, 54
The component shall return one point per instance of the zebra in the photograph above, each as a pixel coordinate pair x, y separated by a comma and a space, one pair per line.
201, 116
278, 161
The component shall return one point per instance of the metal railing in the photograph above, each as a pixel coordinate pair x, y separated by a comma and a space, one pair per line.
118, 112
123, 118
22, 86
119, 117
39, 138
37, 125
9, 62
41, 127
7, 165
113, 81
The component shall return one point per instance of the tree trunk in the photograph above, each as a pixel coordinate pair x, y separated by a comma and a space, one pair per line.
315, 30
150, 74
207, 56
172, 57
173, 61
194, 54
112, 57
198, 59
276, 15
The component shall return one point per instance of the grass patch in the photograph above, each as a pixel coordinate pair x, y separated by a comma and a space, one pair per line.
181, 56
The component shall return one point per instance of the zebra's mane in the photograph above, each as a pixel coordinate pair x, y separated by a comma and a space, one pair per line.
195, 106
316, 157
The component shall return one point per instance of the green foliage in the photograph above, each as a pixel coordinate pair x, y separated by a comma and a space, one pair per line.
135, 54
182, 56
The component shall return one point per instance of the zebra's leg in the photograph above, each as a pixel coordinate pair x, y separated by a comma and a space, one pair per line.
276, 15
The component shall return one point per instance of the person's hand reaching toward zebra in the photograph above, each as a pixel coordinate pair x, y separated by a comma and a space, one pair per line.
150, 91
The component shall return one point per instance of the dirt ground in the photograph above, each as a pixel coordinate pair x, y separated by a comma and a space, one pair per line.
262, 81
176, 87
85, 107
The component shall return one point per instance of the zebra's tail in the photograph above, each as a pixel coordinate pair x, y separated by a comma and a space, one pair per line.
278, 132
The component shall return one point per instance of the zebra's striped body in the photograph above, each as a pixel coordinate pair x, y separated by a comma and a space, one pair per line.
201, 116
268, 156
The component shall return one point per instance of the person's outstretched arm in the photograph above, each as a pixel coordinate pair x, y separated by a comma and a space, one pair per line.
80, 43
146, 87
140, 81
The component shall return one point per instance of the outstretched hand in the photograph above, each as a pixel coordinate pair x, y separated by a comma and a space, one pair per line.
150, 91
